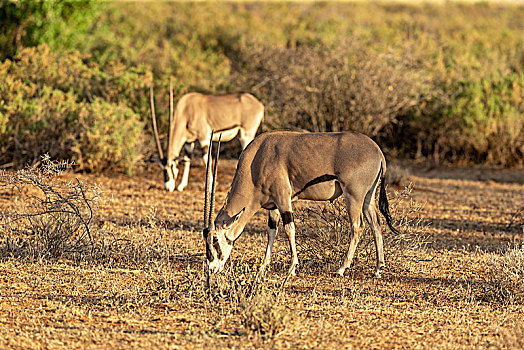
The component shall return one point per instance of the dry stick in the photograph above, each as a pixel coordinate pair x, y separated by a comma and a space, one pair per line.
155, 129
513, 217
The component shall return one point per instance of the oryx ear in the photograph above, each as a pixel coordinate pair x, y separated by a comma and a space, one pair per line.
234, 219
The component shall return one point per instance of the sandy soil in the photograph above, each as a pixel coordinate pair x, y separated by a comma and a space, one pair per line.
149, 293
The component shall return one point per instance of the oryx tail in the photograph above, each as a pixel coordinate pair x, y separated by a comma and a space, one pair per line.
383, 203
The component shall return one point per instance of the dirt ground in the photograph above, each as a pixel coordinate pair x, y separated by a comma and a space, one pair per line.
150, 292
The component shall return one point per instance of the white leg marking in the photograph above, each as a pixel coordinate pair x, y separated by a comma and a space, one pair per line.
290, 231
185, 175
271, 233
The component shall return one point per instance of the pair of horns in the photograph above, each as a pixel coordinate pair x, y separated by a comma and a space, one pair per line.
209, 197
153, 116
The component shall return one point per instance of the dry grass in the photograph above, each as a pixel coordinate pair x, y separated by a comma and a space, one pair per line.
507, 276
145, 287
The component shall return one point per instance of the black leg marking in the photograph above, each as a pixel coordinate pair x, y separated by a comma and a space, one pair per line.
287, 217
271, 223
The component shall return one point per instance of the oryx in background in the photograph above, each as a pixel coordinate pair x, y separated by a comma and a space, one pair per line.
278, 168
193, 118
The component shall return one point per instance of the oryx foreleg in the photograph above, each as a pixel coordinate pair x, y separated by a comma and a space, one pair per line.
187, 163
272, 229
185, 174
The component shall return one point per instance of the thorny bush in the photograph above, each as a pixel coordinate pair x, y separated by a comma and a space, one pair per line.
50, 217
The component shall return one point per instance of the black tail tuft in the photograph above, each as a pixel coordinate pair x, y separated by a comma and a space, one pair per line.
383, 204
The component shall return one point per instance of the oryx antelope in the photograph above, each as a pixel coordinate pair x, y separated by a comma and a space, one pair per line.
280, 167
193, 119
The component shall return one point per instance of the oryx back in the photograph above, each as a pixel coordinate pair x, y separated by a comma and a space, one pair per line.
311, 166
226, 114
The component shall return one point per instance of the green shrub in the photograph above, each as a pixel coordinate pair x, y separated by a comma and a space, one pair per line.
489, 116
57, 104
59, 23
110, 137
424, 80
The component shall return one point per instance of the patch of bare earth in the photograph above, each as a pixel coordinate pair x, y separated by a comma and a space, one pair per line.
147, 291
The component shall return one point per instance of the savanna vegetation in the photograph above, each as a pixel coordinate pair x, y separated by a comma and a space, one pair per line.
442, 82
94, 258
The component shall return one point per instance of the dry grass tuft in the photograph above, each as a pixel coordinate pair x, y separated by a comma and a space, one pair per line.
398, 175
257, 302
506, 274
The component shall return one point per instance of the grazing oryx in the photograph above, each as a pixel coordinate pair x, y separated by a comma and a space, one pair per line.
193, 119
280, 167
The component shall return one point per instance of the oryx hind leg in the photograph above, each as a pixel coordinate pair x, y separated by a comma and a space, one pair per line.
185, 174
272, 230
246, 137
371, 215
354, 209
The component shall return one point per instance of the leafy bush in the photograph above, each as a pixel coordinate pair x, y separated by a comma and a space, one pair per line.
59, 105
490, 125
109, 137
59, 23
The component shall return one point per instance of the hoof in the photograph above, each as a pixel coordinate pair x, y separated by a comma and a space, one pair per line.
378, 271
339, 273
292, 271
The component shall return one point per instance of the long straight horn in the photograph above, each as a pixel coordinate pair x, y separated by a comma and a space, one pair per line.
212, 200
155, 129
171, 113
207, 214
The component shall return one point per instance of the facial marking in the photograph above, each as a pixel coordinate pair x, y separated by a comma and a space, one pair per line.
216, 245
